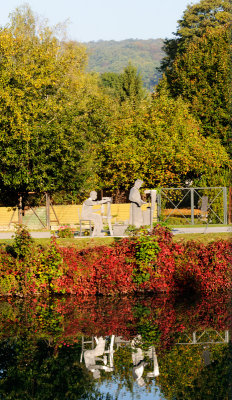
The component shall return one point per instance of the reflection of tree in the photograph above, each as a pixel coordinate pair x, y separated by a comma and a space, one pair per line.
37, 359
32, 370
185, 375
214, 381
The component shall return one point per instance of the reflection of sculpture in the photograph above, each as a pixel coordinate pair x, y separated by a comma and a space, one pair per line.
90, 214
139, 363
101, 357
136, 216
92, 356
152, 355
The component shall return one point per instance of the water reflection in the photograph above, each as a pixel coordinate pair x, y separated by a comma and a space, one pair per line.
99, 357
71, 348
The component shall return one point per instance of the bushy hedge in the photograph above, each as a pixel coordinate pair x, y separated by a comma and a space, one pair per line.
148, 262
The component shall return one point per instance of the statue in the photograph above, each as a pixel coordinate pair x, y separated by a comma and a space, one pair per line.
136, 215
90, 214
92, 356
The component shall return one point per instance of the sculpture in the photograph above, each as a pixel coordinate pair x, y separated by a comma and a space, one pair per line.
92, 356
139, 362
89, 214
136, 215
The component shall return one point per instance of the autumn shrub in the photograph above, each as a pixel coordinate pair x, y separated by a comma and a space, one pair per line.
22, 242
101, 270
148, 262
65, 232
204, 268
147, 248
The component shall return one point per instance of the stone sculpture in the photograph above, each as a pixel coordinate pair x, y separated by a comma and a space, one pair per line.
139, 362
136, 215
92, 356
89, 214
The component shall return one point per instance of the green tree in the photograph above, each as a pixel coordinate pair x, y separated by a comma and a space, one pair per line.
111, 80
201, 75
196, 19
131, 86
161, 144
197, 65
43, 90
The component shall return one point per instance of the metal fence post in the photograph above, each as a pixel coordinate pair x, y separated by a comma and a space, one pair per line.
225, 205
20, 210
159, 205
192, 205
48, 211
230, 206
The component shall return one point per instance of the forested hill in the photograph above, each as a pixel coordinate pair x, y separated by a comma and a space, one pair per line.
113, 56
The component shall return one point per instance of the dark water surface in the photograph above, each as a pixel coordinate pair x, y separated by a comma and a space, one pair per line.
123, 348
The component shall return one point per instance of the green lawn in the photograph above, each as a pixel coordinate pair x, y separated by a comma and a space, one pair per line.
203, 237
82, 243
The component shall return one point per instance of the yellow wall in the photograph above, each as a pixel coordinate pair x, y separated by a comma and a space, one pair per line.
69, 214
64, 215
8, 216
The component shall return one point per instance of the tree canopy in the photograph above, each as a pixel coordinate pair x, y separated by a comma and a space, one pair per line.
197, 65
43, 92
197, 18
65, 130
163, 146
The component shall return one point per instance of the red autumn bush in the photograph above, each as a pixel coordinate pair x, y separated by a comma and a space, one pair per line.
204, 268
149, 262
102, 270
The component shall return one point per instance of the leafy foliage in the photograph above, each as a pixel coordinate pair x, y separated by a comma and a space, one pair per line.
197, 65
22, 244
147, 249
42, 82
151, 262
65, 232
161, 143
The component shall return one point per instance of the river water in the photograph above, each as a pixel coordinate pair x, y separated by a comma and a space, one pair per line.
156, 347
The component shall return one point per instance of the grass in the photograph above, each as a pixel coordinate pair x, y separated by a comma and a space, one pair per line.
92, 242
65, 242
202, 237
196, 226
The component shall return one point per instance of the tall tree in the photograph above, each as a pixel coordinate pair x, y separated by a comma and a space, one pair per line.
197, 65
131, 86
43, 89
196, 19
163, 146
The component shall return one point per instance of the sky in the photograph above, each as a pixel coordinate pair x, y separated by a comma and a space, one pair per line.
93, 20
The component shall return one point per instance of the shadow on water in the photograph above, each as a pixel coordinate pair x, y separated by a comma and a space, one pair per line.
159, 347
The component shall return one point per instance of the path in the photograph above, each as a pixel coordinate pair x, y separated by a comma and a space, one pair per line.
207, 229
175, 231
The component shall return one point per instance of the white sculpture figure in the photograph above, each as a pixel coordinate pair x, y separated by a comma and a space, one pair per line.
89, 213
136, 216
152, 355
91, 356
138, 361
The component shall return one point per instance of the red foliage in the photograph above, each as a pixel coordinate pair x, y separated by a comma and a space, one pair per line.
109, 270
102, 270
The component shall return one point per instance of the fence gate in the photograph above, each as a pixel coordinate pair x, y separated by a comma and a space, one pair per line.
36, 217
199, 205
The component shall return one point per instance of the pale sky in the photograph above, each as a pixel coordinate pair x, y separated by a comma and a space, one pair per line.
107, 19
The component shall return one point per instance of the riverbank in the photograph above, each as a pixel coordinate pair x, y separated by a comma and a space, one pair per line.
149, 262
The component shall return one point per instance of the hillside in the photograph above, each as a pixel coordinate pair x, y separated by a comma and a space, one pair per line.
113, 56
